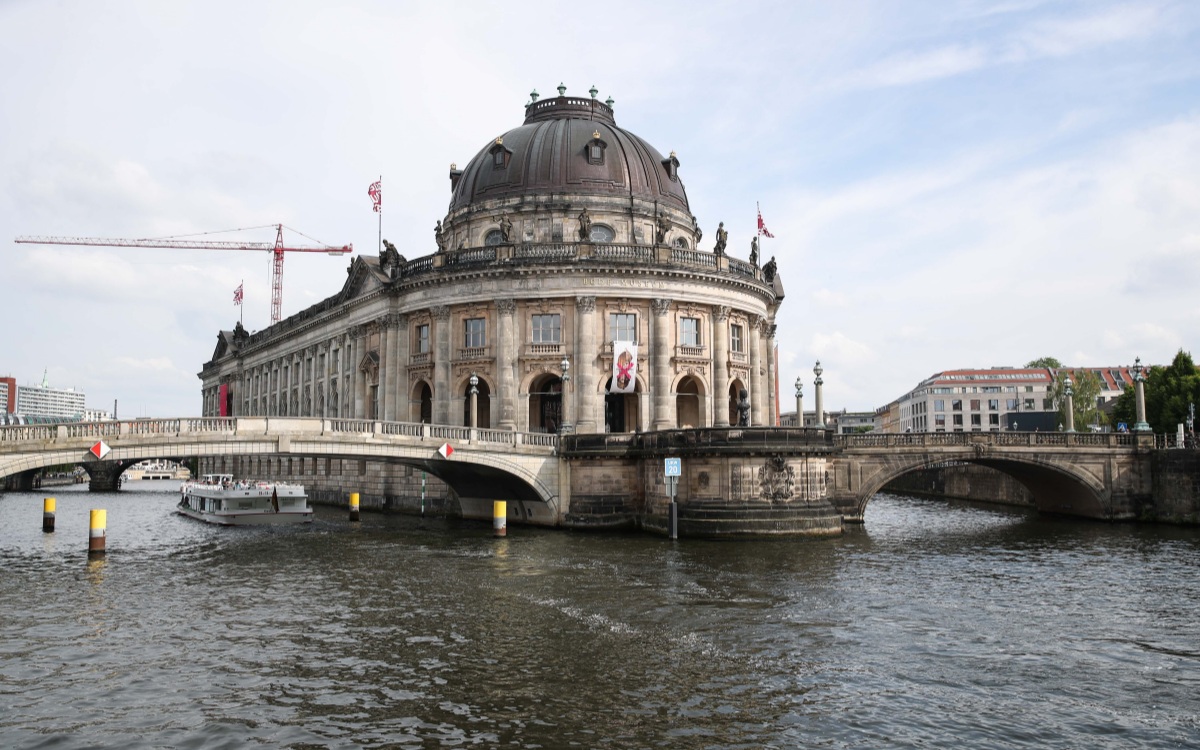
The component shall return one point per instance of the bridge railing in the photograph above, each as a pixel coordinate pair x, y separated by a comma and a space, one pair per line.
1013, 439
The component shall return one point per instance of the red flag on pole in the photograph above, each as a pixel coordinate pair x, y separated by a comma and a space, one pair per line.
762, 228
376, 193
237, 294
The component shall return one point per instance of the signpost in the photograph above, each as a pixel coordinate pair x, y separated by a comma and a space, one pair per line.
672, 470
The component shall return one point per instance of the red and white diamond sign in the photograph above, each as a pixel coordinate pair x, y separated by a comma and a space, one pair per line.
446, 450
100, 449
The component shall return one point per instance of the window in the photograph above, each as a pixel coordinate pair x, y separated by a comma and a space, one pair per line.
547, 329
735, 338
976, 420
994, 404
689, 331
939, 422
681, 243
994, 420
956, 405
958, 420
1010, 404
974, 404
474, 332
422, 339
939, 404
622, 326
493, 237
1029, 404
602, 233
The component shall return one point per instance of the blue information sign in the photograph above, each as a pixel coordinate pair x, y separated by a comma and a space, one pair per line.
673, 467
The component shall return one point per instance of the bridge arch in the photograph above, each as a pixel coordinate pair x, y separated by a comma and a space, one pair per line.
1056, 487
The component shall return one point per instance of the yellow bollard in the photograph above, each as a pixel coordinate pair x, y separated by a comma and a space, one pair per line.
99, 521
353, 506
48, 514
499, 518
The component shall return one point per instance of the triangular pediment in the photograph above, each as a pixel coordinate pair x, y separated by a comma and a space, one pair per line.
363, 278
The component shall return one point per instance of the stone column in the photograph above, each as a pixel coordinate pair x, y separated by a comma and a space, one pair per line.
388, 379
327, 409
720, 362
506, 387
757, 394
769, 342
356, 376
441, 366
1070, 391
660, 363
400, 394
585, 377
799, 403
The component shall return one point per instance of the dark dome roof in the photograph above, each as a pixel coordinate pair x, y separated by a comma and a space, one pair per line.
550, 153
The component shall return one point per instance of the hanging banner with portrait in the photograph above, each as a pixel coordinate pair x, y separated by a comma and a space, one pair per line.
624, 373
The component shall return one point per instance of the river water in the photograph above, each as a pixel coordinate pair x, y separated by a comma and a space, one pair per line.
933, 625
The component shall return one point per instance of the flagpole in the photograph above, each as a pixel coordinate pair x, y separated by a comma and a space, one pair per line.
242, 310
379, 247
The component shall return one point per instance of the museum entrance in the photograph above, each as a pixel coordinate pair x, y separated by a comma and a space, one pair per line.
687, 404
620, 410
545, 404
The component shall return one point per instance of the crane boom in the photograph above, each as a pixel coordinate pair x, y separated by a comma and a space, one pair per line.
277, 248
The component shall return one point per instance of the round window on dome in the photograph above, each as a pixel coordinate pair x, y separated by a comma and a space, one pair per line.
494, 237
681, 242
602, 233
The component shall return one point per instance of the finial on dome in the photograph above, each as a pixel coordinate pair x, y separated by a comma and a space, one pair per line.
672, 155
562, 90
499, 140
596, 134
609, 102
593, 91
453, 166
533, 95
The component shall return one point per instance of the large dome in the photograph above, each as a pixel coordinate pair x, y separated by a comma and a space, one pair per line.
569, 145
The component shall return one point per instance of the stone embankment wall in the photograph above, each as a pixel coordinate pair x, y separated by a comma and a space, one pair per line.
966, 482
1176, 478
329, 481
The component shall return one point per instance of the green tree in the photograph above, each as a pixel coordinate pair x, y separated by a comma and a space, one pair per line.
1169, 391
1050, 362
1086, 388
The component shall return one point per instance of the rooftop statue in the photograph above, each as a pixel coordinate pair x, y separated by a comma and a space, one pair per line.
754, 251
585, 226
722, 238
769, 270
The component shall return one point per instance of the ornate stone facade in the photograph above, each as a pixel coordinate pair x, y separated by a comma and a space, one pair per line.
563, 235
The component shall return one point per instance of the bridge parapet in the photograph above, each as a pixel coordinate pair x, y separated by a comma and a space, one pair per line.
1007, 439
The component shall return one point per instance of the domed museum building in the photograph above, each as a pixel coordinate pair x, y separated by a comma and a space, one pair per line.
567, 283
568, 247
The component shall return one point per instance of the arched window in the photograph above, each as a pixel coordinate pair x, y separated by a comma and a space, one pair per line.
602, 233
494, 237
681, 242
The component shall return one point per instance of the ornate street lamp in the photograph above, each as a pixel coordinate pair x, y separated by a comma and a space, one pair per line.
1070, 390
474, 400
1139, 393
566, 401
799, 402
819, 412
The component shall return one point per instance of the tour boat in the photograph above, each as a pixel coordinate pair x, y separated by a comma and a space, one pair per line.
219, 498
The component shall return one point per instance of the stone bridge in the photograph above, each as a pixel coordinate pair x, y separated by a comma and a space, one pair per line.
736, 481
485, 464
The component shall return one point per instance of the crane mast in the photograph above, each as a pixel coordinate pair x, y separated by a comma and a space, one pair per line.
277, 249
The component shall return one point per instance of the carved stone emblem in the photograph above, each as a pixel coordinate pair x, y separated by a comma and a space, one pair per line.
776, 479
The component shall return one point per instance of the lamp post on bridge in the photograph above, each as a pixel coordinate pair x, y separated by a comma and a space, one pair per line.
1070, 405
1139, 396
474, 400
565, 423
799, 402
820, 409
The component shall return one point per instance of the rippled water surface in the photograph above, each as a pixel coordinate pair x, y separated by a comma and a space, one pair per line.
932, 626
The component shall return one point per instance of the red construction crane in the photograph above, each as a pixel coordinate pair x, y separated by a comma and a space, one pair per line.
184, 244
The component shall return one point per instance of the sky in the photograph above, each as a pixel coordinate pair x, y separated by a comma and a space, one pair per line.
951, 184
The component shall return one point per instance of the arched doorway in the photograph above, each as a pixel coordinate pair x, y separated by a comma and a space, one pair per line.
621, 411
688, 413
545, 404
483, 404
735, 388
421, 403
